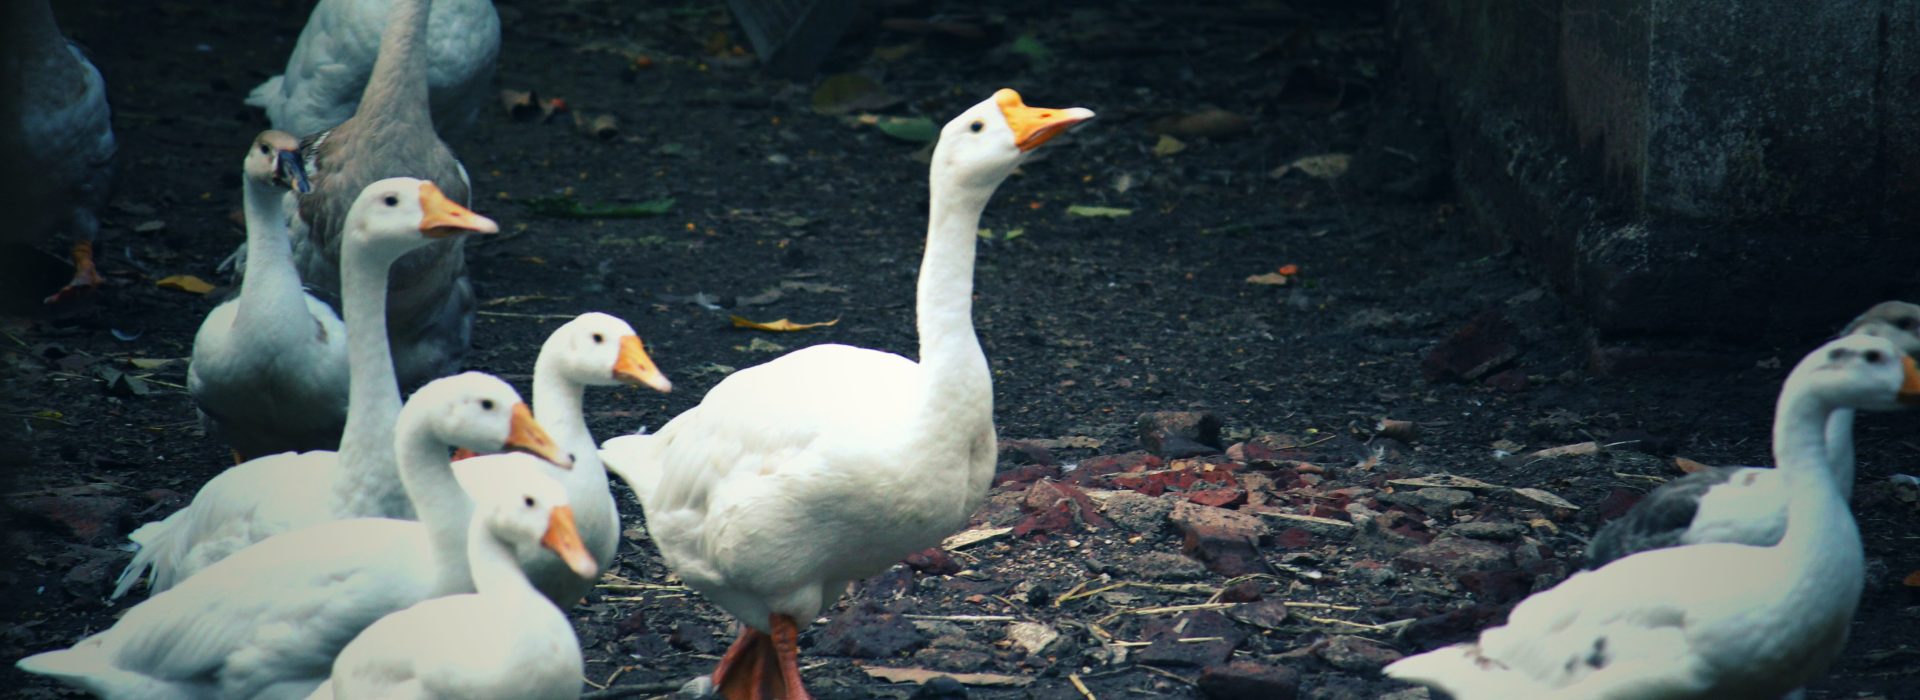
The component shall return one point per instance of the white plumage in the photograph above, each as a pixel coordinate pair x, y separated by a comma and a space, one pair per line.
336, 52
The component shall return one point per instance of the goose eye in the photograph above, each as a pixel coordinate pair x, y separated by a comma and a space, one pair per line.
1873, 357
977, 125
486, 404
393, 201
263, 148
528, 499
597, 339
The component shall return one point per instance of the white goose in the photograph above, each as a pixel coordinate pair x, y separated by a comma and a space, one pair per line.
336, 52
267, 622
827, 465
504, 642
269, 369
594, 349
278, 493
1706, 620
430, 305
1745, 505
56, 138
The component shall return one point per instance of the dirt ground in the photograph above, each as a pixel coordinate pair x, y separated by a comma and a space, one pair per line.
779, 211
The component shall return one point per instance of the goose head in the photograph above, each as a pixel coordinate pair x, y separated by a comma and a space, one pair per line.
597, 349
528, 511
274, 159
1897, 321
399, 214
1862, 371
480, 413
982, 146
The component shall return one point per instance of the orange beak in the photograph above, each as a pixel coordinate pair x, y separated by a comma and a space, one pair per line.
1033, 126
527, 436
564, 539
1910, 389
441, 218
635, 367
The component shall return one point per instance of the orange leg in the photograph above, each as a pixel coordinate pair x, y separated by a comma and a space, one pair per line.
85, 275
761, 666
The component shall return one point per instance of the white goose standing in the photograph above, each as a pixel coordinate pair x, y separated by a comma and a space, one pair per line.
828, 464
339, 45
1745, 505
593, 349
505, 641
269, 370
56, 138
278, 493
1707, 620
267, 622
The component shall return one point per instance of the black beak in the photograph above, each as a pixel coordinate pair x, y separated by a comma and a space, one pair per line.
294, 172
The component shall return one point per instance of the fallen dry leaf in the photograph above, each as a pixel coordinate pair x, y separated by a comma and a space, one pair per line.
1273, 278
1444, 481
1321, 167
1573, 450
921, 675
1545, 498
1092, 211
1168, 145
1211, 123
1912, 580
779, 326
972, 537
1689, 466
601, 126
185, 283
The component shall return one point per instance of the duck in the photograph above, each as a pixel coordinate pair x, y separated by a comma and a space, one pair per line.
506, 640
430, 303
828, 464
252, 501
268, 371
58, 141
268, 621
337, 50
592, 349
1713, 620
1746, 505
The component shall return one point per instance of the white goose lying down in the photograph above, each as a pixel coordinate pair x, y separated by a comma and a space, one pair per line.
504, 642
829, 464
1705, 620
279, 493
268, 621
269, 370
56, 139
594, 349
1745, 505
336, 51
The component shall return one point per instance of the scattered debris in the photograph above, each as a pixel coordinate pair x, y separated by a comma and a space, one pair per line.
920, 675
566, 207
779, 325
1097, 212
185, 283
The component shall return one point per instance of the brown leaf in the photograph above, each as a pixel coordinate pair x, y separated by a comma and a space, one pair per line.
1912, 580
1211, 123
1689, 466
779, 326
185, 283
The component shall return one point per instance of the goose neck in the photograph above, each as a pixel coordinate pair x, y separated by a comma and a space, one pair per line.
1815, 509
495, 569
373, 394
426, 471
944, 293
1840, 456
397, 88
557, 401
271, 289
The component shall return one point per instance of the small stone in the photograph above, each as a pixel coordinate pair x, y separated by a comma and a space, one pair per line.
1360, 655
1474, 351
868, 633
1158, 430
1242, 592
1026, 474
1226, 541
1487, 530
1210, 640
1266, 614
1512, 381
1219, 498
940, 688
1432, 501
1167, 566
1454, 556
1092, 468
1034, 637
1025, 452
935, 561
1246, 680
1503, 586
1137, 512
693, 636
85, 518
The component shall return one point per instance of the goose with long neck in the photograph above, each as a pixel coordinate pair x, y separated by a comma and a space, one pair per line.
505, 641
56, 140
277, 493
1745, 505
340, 43
269, 368
593, 349
268, 621
831, 463
1716, 620
429, 303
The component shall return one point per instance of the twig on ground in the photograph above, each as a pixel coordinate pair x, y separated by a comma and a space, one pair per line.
1082, 687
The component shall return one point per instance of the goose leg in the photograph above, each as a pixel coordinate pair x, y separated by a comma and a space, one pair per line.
747, 671
85, 275
786, 643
